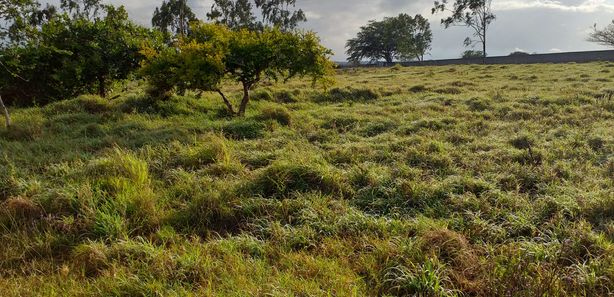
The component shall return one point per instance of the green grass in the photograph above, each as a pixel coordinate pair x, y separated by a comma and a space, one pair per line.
434, 181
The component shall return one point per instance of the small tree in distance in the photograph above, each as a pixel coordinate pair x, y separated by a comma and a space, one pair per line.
472, 54
214, 52
395, 38
475, 14
604, 36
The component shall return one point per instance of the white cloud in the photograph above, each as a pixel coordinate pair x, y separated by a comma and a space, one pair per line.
587, 6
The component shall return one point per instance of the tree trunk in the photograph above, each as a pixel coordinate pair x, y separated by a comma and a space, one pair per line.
227, 102
245, 100
484, 42
7, 116
102, 88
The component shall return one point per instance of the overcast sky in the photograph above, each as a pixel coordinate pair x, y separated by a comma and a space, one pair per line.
529, 25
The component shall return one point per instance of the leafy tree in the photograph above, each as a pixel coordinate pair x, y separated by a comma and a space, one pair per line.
475, 14
213, 53
604, 36
15, 20
472, 54
72, 53
402, 37
173, 16
83, 9
257, 14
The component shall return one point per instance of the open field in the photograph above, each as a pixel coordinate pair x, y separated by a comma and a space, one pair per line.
436, 181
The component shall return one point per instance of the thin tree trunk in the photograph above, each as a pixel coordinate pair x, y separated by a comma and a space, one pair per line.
227, 102
484, 40
7, 116
245, 100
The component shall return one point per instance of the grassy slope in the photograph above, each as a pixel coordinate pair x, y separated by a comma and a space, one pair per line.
474, 180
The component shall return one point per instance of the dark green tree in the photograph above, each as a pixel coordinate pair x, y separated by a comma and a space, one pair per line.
173, 16
72, 53
257, 14
475, 14
395, 38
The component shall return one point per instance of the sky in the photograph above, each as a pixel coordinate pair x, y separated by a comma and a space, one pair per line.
541, 26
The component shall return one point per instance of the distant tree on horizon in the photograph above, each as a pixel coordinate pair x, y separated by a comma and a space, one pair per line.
257, 14
603, 36
475, 14
395, 38
472, 54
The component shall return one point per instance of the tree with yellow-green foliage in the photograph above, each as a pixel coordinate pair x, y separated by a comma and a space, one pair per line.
213, 53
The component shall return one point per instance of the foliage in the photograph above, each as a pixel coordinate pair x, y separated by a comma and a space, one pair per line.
173, 16
472, 54
213, 52
603, 36
81, 50
244, 14
519, 54
402, 37
475, 14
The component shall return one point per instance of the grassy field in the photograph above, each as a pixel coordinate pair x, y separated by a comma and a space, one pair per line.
430, 181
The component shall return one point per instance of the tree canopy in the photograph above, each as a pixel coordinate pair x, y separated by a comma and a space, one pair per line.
394, 38
173, 16
213, 53
475, 14
603, 36
257, 14
80, 47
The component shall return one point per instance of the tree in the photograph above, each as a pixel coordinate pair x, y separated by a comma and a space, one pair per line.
475, 14
472, 54
402, 37
14, 20
213, 53
173, 16
256, 14
604, 36
73, 53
